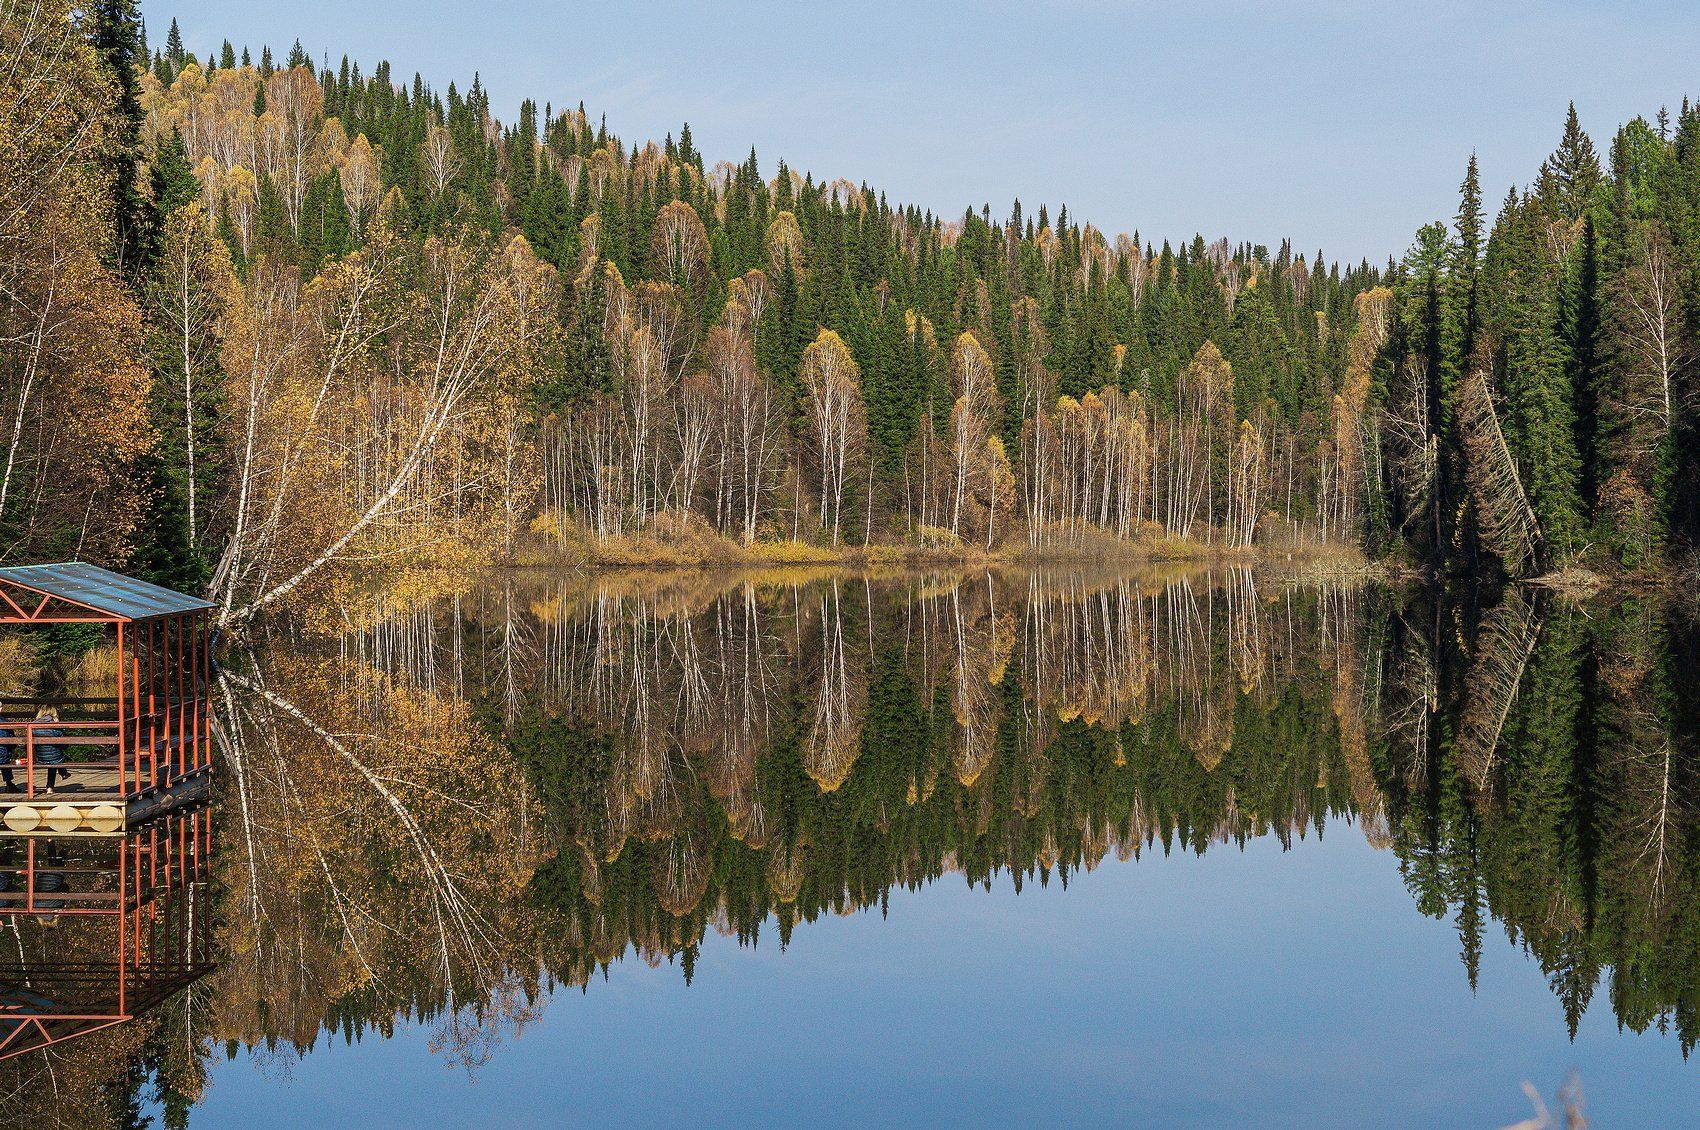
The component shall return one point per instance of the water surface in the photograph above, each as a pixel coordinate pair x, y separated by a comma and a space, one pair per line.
1054, 848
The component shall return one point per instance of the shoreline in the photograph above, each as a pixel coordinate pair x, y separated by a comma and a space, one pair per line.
643, 554
640, 553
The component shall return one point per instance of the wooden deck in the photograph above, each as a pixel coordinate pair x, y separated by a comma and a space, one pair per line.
92, 803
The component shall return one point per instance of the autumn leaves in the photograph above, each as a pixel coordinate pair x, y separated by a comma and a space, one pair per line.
365, 410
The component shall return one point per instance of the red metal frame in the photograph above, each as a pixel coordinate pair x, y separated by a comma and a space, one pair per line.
162, 704
161, 944
82, 614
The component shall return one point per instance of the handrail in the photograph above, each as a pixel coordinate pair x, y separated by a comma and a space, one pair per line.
153, 747
29, 701
108, 877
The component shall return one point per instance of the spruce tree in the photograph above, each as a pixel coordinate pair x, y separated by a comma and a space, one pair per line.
115, 29
1458, 333
172, 179
1574, 170
1533, 367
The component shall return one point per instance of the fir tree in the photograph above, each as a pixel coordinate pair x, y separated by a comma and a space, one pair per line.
1574, 170
115, 30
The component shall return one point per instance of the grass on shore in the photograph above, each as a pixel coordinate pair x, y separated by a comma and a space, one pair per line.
686, 541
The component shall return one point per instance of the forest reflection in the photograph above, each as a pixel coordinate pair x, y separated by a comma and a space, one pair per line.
451, 805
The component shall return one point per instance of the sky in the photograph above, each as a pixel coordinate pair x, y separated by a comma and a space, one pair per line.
1341, 124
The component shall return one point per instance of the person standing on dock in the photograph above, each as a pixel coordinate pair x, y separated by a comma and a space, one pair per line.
8, 755
50, 755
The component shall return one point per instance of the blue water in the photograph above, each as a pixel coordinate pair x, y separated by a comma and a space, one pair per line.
1262, 987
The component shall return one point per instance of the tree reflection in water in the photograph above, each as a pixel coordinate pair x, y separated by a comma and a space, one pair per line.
452, 805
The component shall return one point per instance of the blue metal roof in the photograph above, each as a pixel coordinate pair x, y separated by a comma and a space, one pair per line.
110, 593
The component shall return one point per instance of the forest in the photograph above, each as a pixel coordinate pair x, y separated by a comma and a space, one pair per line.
273, 323
265, 317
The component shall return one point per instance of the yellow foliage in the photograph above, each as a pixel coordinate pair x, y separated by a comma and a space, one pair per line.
69, 330
784, 243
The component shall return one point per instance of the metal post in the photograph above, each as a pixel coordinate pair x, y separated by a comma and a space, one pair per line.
153, 704
179, 666
136, 715
203, 694
123, 746
123, 902
206, 677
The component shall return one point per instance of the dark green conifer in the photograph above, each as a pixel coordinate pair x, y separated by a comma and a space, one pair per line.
1573, 170
174, 47
114, 27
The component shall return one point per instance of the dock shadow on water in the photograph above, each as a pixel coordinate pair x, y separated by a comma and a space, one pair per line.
456, 805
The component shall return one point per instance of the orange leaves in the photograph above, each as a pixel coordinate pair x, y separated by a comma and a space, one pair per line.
918, 329
837, 418
1211, 376
241, 194
290, 143
1374, 319
827, 361
378, 848
971, 369
974, 479
665, 311
373, 413
536, 288
357, 169
1087, 462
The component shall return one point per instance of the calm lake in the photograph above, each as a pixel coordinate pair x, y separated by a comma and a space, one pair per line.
1188, 848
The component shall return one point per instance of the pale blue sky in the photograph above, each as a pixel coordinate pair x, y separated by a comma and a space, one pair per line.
1342, 124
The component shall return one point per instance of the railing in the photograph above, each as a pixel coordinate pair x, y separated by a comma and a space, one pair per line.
106, 877
142, 935
150, 749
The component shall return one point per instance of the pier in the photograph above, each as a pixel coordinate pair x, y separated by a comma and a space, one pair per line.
101, 766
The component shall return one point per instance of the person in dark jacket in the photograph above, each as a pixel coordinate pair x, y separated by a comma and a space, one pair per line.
51, 881
8, 755
11, 877
49, 754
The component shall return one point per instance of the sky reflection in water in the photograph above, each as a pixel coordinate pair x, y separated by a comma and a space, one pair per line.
1303, 986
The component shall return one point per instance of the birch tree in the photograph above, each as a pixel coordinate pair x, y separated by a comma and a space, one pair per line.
1649, 349
747, 441
73, 392
440, 160
357, 168
837, 419
316, 486
970, 422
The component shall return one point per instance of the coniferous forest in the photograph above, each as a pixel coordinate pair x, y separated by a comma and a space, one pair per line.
263, 314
